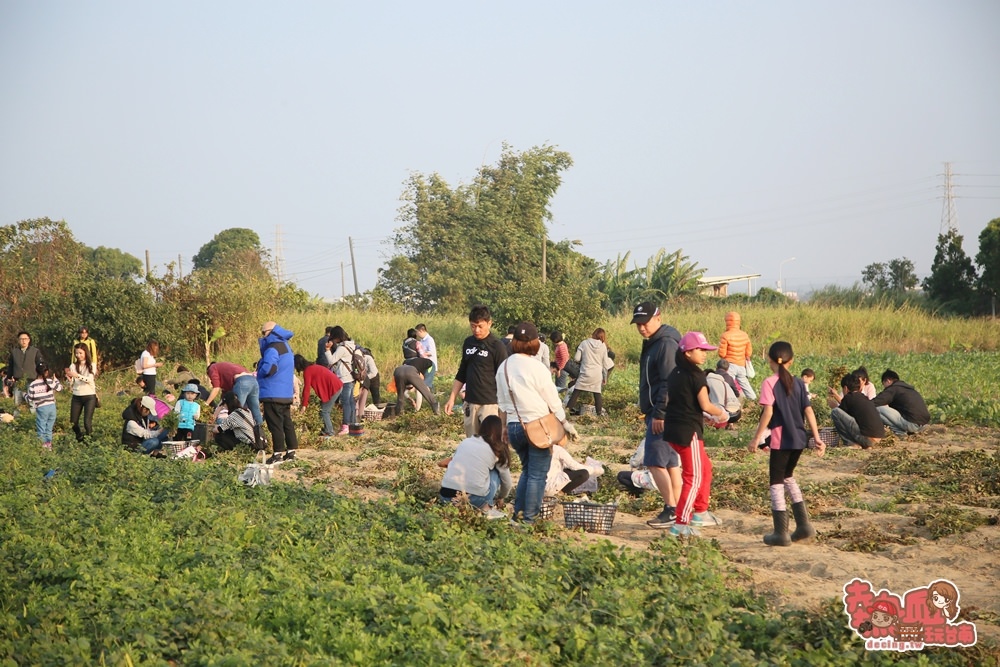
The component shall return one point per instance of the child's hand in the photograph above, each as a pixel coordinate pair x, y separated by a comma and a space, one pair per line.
752, 446
820, 445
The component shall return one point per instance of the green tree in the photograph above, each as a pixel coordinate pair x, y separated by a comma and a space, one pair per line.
664, 277
952, 281
896, 275
988, 258
458, 243
114, 262
235, 239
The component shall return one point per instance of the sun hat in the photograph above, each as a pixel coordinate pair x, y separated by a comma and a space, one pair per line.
190, 387
695, 340
148, 403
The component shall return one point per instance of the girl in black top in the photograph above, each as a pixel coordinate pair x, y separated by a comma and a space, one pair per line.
682, 429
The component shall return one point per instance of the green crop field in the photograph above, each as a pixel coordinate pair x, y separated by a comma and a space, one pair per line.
117, 559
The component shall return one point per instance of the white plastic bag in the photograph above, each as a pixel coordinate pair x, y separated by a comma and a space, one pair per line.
257, 473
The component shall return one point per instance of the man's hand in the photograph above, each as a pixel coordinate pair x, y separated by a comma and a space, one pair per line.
657, 426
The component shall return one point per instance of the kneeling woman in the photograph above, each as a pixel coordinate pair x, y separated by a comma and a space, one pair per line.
480, 468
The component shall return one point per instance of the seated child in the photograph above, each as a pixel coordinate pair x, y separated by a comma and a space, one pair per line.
638, 478
723, 391
189, 410
867, 388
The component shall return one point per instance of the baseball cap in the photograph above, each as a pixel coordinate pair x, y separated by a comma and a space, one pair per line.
148, 403
644, 312
190, 387
695, 340
525, 331
884, 606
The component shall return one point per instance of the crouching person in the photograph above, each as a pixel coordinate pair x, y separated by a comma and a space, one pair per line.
234, 424
139, 431
480, 468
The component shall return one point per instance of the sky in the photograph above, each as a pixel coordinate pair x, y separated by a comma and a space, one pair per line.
798, 140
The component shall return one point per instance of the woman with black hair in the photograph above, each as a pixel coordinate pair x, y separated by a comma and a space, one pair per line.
480, 468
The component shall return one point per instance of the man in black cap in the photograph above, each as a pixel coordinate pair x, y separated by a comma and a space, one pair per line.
657, 361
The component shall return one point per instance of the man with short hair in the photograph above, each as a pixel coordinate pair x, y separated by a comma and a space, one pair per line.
21, 365
482, 354
429, 352
656, 362
854, 415
900, 406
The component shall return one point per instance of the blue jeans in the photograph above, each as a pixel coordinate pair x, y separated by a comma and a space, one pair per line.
348, 404
739, 374
896, 422
429, 378
155, 443
45, 419
535, 464
485, 502
248, 392
324, 412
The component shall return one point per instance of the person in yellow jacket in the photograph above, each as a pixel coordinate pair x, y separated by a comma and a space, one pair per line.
735, 347
83, 337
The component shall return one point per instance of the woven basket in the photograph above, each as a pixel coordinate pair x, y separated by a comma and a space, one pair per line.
373, 414
548, 508
592, 517
173, 447
828, 435
588, 411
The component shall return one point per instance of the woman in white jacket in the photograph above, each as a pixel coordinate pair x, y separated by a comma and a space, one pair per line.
525, 392
592, 355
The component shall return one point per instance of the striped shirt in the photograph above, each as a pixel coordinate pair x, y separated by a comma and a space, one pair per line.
42, 393
240, 422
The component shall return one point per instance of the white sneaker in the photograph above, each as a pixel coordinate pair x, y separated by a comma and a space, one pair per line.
493, 514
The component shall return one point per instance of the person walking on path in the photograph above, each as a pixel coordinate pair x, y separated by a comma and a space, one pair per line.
656, 362
482, 354
786, 412
592, 355
735, 347
275, 377
81, 376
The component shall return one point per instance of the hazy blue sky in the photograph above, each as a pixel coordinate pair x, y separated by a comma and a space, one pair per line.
745, 133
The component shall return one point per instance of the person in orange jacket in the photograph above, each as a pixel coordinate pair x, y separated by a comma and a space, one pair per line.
735, 347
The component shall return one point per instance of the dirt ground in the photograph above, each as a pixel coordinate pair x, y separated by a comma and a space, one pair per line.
904, 555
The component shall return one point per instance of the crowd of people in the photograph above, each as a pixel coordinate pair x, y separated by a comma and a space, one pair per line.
515, 400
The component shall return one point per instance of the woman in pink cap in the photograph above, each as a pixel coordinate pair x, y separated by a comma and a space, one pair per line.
682, 429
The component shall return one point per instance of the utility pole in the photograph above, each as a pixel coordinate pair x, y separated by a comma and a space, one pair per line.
949, 214
279, 254
180, 269
148, 270
354, 266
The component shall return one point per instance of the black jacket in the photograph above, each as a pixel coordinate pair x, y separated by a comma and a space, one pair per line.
656, 362
906, 400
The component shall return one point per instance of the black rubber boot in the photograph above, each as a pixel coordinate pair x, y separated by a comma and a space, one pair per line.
780, 537
803, 529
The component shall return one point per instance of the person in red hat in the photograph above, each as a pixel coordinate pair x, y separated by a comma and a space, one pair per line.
884, 614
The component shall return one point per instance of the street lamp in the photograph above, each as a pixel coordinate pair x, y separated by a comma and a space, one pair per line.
781, 282
749, 280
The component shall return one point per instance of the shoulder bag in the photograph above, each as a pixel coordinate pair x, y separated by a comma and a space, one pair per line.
542, 432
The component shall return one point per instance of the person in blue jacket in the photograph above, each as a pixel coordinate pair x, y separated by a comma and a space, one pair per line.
276, 378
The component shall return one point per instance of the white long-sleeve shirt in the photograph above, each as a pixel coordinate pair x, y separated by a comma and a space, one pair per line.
469, 469
533, 388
